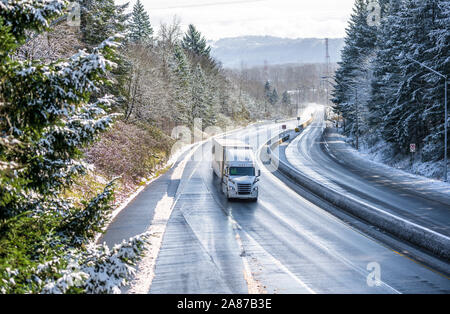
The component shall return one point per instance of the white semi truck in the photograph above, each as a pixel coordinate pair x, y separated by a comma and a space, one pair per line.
233, 162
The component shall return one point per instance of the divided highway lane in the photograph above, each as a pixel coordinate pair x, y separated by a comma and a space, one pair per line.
367, 183
282, 244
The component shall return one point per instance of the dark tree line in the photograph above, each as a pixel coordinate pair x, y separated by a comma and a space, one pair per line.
380, 89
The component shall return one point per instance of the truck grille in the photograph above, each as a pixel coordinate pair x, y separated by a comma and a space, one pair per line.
244, 189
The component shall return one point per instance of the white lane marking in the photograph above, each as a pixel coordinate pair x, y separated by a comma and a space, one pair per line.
329, 151
253, 286
324, 247
309, 236
143, 279
274, 260
328, 184
146, 271
292, 156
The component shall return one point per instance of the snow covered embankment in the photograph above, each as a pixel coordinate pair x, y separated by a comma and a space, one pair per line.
434, 242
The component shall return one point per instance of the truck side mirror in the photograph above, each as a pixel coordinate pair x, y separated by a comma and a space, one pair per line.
259, 173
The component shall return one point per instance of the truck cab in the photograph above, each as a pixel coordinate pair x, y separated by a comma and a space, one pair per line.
233, 162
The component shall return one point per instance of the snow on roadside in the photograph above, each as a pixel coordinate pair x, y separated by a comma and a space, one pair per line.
146, 267
418, 172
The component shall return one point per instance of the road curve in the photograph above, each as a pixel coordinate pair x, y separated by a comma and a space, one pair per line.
281, 244
327, 160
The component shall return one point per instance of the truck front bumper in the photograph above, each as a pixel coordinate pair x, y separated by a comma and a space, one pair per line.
234, 194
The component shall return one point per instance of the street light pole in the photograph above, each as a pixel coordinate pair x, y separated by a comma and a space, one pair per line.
446, 134
357, 119
445, 114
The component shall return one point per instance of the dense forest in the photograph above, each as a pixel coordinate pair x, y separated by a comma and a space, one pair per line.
389, 87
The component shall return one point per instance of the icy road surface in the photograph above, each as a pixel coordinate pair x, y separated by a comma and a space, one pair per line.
281, 244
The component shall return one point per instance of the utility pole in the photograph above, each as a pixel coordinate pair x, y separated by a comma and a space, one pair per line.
445, 77
446, 132
327, 62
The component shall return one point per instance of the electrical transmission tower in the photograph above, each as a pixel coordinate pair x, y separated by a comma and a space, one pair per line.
327, 64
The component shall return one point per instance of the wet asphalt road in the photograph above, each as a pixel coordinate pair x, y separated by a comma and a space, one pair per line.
329, 161
281, 244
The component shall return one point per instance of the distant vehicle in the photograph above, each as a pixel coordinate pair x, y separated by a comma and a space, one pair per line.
233, 162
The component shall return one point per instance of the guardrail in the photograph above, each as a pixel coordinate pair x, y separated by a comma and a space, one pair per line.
436, 243
307, 123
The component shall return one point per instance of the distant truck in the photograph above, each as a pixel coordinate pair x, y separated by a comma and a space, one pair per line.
233, 162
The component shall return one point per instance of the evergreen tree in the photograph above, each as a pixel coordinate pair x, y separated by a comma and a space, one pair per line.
46, 119
101, 19
195, 43
140, 27
267, 91
437, 52
181, 65
406, 103
286, 99
385, 65
210, 118
267, 95
199, 107
181, 68
274, 97
418, 110
352, 77
387, 76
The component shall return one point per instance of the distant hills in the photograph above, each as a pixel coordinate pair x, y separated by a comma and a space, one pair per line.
254, 50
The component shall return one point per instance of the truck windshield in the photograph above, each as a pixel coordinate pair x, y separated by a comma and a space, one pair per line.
242, 171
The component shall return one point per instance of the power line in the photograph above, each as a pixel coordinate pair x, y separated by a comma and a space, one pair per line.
208, 4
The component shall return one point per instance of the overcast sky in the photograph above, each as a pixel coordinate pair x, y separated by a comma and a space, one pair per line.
231, 18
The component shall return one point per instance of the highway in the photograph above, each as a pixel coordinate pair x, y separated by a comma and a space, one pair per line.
328, 161
284, 243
